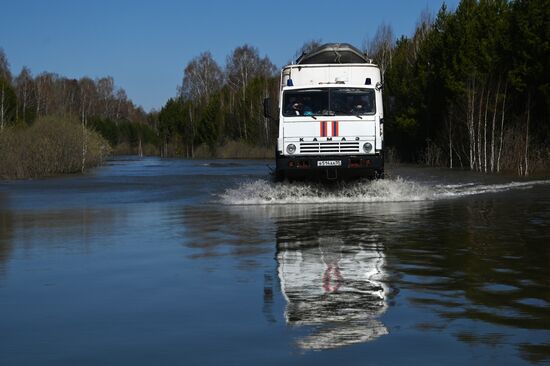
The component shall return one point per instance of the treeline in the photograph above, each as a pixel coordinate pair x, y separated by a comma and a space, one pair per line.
471, 88
217, 108
96, 103
50, 124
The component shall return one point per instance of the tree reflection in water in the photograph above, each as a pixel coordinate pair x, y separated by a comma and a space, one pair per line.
6, 233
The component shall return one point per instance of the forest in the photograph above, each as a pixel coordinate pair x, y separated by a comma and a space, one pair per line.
98, 103
472, 87
469, 89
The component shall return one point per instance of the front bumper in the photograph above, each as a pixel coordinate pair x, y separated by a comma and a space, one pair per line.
352, 167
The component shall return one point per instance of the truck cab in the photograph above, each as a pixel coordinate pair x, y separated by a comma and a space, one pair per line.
330, 117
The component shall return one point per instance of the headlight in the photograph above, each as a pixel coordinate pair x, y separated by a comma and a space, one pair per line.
291, 148
367, 147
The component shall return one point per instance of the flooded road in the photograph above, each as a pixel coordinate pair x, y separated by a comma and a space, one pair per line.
207, 262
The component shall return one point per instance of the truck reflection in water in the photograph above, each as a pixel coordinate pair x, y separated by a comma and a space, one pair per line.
332, 281
330, 261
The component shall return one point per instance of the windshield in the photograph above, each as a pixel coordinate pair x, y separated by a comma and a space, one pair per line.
328, 102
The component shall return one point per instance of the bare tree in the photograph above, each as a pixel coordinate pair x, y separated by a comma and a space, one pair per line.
24, 86
470, 119
87, 95
493, 129
5, 72
244, 64
43, 91
423, 27
502, 126
121, 101
2, 104
105, 88
5, 78
202, 76
307, 47
528, 120
380, 48
485, 131
71, 92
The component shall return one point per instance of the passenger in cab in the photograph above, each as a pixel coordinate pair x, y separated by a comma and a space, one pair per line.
361, 105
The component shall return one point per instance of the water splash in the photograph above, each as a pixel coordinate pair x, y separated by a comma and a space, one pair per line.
262, 192
469, 189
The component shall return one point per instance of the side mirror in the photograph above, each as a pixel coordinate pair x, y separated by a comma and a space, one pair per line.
267, 108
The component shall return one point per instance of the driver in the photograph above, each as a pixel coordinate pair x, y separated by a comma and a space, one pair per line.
295, 107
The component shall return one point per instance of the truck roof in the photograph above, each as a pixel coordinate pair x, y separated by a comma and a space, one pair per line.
334, 53
329, 74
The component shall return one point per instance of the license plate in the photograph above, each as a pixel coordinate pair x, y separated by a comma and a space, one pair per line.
329, 163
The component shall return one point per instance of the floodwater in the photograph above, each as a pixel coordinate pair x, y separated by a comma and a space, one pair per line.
165, 262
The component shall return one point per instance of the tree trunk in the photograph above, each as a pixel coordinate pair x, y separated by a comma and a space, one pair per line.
450, 126
493, 128
470, 123
38, 97
2, 108
502, 125
24, 110
84, 145
479, 129
485, 131
526, 158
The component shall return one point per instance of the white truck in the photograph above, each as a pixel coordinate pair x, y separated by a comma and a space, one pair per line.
330, 116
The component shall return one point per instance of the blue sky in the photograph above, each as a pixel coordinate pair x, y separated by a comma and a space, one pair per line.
145, 45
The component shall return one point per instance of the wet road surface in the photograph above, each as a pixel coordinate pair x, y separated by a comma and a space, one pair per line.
208, 262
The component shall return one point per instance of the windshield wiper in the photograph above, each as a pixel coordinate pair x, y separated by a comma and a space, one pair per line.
358, 116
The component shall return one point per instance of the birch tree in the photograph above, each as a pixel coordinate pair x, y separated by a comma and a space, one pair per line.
381, 47
5, 81
202, 77
105, 88
243, 65
24, 86
88, 92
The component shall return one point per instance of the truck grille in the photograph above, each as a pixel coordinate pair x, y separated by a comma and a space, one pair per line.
329, 147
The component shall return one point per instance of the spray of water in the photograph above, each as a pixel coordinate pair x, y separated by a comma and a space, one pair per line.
262, 192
